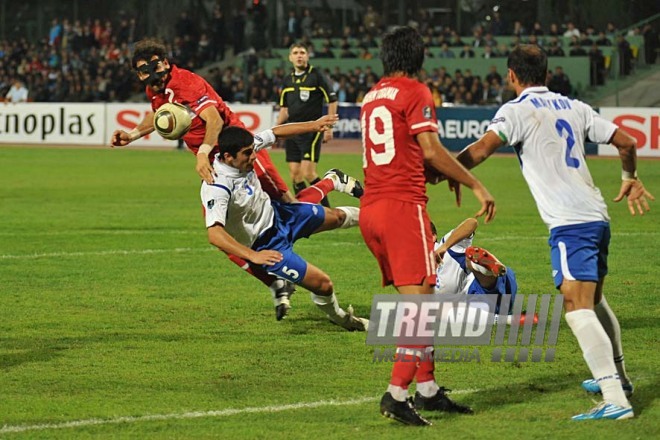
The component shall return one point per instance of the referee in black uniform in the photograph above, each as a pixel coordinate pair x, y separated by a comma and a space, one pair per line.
303, 93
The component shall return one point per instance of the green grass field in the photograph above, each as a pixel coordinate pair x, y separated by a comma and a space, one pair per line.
118, 319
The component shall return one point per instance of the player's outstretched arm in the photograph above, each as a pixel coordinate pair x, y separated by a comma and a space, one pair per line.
324, 123
214, 124
219, 238
121, 138
437, 157
478, 151
631, 187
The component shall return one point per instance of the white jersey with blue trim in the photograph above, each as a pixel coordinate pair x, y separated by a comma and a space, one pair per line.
452, 275
548, 132
236, 201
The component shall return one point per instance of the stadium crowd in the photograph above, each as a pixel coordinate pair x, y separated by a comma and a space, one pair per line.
84, 61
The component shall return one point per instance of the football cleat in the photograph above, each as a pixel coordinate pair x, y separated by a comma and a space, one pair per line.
523, 317
353, 323
345, 183
282, 291
485, 259
403, 412
592, 387
440, 402
607, 411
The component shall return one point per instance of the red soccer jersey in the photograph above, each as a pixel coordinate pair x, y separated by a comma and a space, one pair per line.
188, 88
393, 112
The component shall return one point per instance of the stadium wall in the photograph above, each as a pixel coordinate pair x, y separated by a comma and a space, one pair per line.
93, 124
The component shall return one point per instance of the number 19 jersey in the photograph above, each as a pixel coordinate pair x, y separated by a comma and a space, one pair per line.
393, 112
548, 132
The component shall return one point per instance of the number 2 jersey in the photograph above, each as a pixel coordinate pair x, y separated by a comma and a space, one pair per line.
548, 132
393, 113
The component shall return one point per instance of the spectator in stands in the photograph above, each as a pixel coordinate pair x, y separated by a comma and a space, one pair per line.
518, 29
554, 30
365, 54
502, 51
515, 42
571, 30
560, 83
611, 31
554, 49
596, 66
477, 40
602, 40
307, 23
17, 92
537, 29
650, 43
490, 41
497, 24
456, 40
467, 52
488, 53
293, 26
576, 49
446, 52
585, 40
218, 35
625, 55
372, 21
325, 52
534, 40
493, 75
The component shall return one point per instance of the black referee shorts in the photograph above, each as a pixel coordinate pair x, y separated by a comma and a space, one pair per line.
304, 147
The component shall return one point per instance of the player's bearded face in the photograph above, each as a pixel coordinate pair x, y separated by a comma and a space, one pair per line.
154, 73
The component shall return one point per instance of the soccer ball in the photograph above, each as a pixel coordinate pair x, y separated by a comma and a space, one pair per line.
172, 120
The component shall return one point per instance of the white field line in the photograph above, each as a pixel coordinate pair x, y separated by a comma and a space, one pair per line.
108, 252
306, 244
6, 429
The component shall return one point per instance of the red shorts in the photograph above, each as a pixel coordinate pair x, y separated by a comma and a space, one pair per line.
399, 235
271, 181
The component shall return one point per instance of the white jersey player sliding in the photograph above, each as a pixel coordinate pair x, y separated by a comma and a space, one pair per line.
470, 270
548, 132
242, 220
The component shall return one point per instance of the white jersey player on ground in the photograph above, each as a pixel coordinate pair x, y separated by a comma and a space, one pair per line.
465, 269
242, 220
548, 132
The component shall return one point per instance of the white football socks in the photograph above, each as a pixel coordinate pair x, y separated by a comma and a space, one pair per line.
611, 325
428, 388
330, 306
597, 351
400, 394
352, 216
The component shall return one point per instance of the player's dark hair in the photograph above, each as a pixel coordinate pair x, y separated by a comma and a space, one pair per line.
434, 230
233, 139
146, 49
402, 50
530, 64
298, 44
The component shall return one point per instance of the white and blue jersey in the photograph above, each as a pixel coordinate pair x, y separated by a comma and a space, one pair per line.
453, 276
237, 202
548, 132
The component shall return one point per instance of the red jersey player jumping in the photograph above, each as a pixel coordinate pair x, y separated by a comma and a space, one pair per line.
400, 139
165, 82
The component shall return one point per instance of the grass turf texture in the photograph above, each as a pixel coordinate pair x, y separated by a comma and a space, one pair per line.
112, 304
